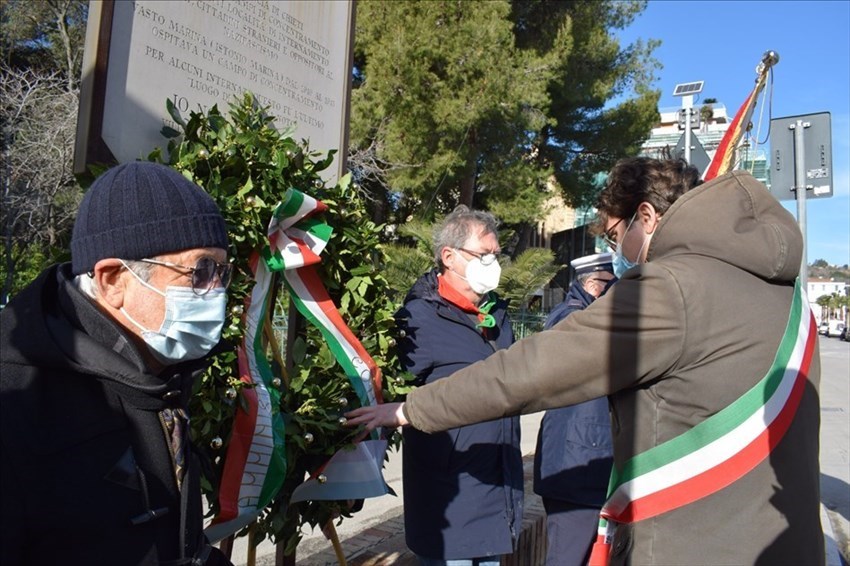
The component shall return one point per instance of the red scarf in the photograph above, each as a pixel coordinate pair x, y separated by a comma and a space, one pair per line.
453, 296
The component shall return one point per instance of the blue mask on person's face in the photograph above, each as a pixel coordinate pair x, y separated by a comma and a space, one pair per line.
191, 327
619, 262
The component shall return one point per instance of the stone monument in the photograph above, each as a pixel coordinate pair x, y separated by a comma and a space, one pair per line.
294, 55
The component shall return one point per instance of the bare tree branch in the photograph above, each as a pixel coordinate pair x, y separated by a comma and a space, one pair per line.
39, 191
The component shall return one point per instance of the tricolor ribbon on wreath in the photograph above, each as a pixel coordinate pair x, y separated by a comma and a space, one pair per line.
255, 464
718, 451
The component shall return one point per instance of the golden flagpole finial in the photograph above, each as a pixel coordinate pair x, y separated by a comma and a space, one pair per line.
768, 60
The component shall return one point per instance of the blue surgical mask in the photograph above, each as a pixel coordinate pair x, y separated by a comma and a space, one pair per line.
619, 262
191, 327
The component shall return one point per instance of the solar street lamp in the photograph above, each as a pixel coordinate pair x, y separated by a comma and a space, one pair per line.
687, 92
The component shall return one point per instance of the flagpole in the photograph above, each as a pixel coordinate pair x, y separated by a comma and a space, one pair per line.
689, 108
724, 158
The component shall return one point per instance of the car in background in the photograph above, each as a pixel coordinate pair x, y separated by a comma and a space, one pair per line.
831, 327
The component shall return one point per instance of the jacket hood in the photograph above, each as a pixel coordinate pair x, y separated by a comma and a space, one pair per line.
424, 288
734, 219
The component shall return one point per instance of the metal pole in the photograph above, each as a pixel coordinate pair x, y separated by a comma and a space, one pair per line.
688, 104
800, 193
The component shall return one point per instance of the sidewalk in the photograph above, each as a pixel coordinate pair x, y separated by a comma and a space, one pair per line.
383, 545
376, 535
835, 448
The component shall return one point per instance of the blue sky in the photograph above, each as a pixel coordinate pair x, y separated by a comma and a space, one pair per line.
721, 42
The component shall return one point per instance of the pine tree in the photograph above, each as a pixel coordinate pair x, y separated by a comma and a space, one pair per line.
46, 35
485, 103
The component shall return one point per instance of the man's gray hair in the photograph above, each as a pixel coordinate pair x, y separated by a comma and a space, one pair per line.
582, 277
458, 226
85, 283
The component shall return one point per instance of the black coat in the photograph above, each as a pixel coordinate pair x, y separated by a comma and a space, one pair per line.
87, 474
574, 452
463, 487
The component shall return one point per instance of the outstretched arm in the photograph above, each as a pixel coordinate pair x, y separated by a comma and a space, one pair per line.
374, 416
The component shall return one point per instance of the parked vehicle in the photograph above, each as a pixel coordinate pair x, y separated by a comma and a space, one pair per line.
833, 328
830, 327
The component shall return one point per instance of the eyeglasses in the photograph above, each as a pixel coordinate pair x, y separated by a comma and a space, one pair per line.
486, 258
204, 274
608, 235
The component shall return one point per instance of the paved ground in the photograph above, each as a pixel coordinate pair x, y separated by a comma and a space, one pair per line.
375, 536
835, 448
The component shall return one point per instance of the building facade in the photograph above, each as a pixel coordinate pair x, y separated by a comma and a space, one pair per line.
818, 288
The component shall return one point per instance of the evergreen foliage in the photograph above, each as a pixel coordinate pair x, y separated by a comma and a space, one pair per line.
45, 36
41, 47
833, 305
39, 192
247, 165
486, 103
529, 272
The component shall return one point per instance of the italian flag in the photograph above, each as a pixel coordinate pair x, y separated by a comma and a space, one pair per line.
723, 160
721, 449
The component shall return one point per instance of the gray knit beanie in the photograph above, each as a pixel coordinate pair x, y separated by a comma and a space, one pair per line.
140, 210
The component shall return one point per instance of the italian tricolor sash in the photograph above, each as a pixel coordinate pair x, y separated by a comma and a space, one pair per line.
719, 450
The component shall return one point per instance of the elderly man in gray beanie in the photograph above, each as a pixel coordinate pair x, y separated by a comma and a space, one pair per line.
97, 361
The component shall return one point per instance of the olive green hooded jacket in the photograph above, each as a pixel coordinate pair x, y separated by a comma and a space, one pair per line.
677, 339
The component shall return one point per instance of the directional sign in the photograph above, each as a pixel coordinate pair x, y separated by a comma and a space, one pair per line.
817, 155
699, 158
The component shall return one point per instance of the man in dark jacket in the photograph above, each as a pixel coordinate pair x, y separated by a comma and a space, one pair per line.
572, 462
462, 487
98, 358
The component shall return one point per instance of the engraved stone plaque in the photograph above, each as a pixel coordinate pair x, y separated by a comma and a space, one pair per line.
295, 56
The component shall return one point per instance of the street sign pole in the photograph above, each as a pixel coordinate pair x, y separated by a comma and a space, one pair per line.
808, 138
688, 101
687, 92
800, 192
698, 158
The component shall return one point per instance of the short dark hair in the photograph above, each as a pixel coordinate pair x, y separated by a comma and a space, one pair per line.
634, 180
